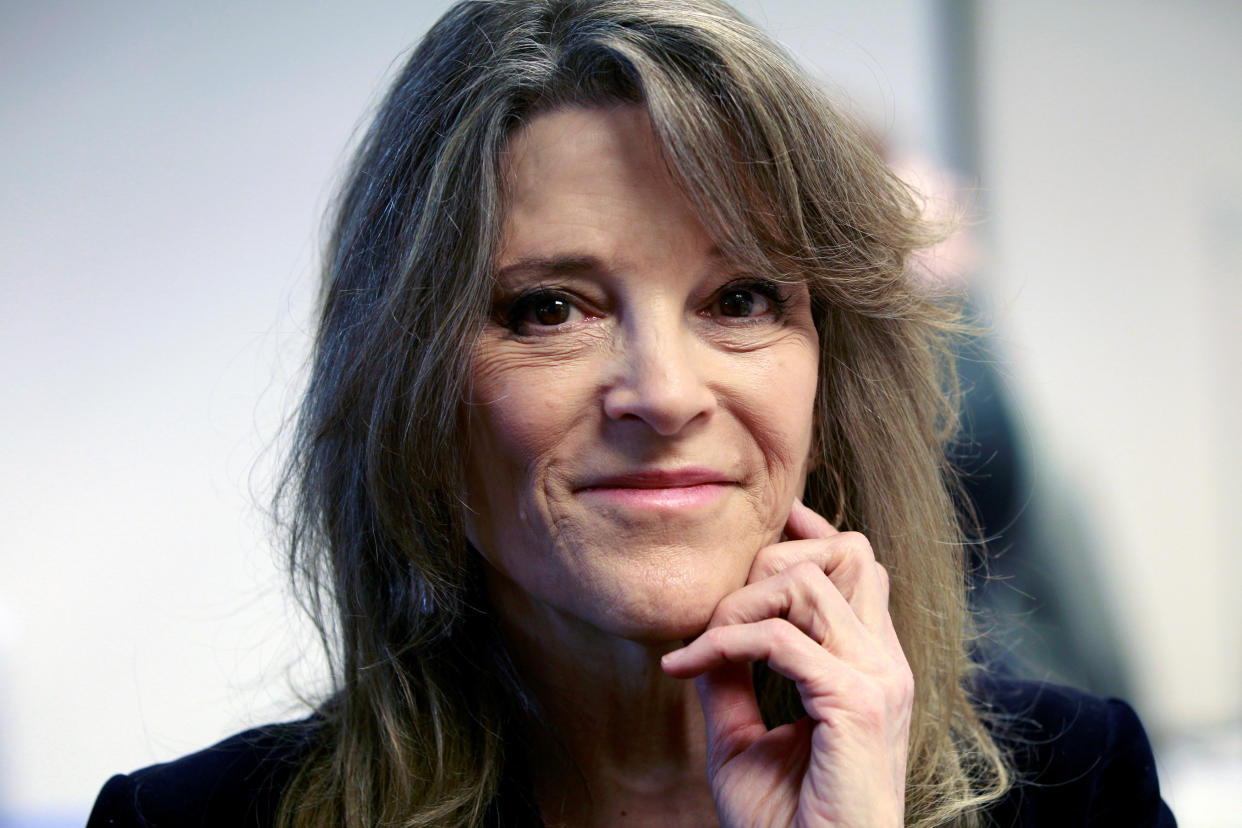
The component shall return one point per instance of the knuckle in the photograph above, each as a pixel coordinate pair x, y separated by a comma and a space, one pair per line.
726, 612
768, 562
872, 703
904, 698
716, 638
856, 544
782, 631
867, 707
805, 571
901, 687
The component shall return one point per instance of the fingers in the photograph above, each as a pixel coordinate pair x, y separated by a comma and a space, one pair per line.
730, 711
804, 522
815, 609
819, 598
784, 647
879, 683
727, 693
804, 595
846, 558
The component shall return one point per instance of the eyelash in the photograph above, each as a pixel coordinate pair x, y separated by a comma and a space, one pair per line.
778, 298
514, 313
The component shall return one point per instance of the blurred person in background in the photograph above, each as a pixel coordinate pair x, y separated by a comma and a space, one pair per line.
1034, 573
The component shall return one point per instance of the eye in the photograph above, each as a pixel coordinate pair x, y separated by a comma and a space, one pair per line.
540, 309
740, 302
549, 310
748, 300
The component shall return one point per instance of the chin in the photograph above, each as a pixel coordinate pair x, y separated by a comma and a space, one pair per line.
671, 614
668, 630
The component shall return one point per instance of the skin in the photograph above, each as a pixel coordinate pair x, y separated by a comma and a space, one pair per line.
623, 346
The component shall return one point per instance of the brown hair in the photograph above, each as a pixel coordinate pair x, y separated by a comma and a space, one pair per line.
425, 697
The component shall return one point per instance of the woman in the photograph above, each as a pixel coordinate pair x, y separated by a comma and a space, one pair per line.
619, 383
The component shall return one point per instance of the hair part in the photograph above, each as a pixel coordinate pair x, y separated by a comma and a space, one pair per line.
425, 695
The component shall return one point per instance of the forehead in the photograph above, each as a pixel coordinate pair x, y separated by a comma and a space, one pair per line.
580, 142
587, 177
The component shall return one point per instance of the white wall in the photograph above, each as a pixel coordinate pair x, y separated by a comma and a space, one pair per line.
164, 169
1112, 133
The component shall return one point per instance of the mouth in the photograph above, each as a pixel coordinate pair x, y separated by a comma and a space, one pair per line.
660, 489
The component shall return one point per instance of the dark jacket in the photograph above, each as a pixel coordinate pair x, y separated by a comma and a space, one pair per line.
1082, 760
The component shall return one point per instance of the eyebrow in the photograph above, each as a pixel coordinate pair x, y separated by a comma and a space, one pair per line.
568, 264
561, 265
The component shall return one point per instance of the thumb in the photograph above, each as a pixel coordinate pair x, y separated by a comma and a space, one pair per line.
730, 712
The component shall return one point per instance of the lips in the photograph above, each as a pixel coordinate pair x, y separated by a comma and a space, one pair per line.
659, 491
660, 479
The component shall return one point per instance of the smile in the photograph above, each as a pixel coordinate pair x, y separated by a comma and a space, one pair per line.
658, 489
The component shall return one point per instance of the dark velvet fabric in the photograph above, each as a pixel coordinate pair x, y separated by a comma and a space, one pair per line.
1083, 760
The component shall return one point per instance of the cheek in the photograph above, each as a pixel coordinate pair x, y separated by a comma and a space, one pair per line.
779, 412
514, 421
518, 416
782, 403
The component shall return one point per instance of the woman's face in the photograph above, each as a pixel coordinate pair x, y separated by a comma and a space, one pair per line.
640, 418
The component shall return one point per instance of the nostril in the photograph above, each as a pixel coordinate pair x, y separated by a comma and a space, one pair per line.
665, 396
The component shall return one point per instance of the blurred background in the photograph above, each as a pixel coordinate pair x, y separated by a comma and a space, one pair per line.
164, 170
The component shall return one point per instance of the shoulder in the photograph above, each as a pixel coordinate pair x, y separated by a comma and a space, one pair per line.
237, 782
1076, 756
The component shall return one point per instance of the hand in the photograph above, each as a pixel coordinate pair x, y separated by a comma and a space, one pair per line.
815, 607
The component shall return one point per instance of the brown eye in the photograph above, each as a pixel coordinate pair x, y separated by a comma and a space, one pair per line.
539, 310
742, 303
737, 303
550, 310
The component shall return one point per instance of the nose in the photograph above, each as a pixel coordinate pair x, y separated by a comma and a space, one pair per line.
659, 379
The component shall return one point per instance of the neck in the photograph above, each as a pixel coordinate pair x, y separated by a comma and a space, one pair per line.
620, 740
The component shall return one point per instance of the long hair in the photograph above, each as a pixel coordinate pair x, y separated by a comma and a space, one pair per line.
419, 728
